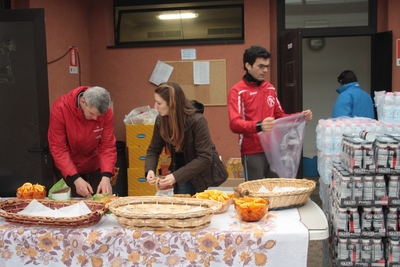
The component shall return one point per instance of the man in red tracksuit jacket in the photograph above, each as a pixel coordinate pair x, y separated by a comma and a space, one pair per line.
81, 140
253, 107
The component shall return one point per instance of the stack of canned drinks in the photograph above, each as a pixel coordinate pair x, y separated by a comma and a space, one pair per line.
352, 222
359, 188
360, 249
379, 155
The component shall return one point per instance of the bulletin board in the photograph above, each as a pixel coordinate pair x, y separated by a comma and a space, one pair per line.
213, 94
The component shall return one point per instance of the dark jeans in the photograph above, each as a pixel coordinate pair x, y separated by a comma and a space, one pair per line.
185, 188
256, 167
92, 178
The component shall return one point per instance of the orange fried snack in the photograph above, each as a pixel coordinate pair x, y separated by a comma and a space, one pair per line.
106, 198
224, 198
213, 195
31, 191
251, 209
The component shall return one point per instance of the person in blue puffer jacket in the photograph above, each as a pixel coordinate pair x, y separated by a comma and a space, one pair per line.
352, 101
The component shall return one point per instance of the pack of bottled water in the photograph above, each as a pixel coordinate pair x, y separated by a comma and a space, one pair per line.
388, 106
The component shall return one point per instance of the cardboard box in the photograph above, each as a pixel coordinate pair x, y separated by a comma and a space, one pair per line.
232, 182
137, 156
139, 135
234, 168
137, 183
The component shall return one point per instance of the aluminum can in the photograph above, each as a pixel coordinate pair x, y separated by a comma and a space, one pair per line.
366, 250
393, 188
354, 220
377, 249
342, 220
380, 187
366, 219
394, 250
377, 219
355, 250
357, 188
368, 187
343, 251
364, 134
392, 219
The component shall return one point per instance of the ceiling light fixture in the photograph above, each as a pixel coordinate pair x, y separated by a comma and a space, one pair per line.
185, 15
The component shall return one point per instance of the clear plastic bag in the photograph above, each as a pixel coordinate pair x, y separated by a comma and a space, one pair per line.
141, 115
283, 145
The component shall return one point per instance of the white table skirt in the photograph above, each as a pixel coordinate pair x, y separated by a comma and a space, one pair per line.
279, 239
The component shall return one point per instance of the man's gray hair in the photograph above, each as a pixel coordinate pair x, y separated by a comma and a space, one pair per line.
98, 97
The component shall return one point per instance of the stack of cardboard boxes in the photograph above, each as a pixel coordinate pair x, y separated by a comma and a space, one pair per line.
235, 171
138, 137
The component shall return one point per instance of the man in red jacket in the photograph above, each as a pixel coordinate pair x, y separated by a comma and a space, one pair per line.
81, 140
253, 107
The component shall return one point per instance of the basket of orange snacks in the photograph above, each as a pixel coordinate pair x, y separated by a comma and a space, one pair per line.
251, 209
217, 195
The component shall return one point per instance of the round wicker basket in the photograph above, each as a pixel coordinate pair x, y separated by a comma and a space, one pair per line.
163, 213
281, 200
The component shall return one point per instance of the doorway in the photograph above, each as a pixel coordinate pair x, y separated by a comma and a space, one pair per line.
320, 69
25, 102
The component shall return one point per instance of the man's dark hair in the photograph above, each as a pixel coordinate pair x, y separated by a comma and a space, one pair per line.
347, 76
251, 54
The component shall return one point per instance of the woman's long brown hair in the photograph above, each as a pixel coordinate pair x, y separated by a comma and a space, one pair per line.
173, 124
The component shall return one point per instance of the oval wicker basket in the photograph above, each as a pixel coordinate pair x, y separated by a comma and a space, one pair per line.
9, 211
163, 213
282, 200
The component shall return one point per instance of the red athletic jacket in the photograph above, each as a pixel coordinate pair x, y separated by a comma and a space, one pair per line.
79, 145
248, 104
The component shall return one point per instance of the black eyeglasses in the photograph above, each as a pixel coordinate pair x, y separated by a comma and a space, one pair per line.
263, 67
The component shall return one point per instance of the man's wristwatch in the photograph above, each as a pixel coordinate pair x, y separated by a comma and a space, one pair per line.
258, 126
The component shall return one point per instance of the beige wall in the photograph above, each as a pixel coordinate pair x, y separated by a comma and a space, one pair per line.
88, 24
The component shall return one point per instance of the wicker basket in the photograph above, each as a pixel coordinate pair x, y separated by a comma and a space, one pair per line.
11, 207
163, 213
281, 200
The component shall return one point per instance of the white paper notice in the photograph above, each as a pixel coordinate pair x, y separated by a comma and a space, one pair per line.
161, 73
201, 72
188, 54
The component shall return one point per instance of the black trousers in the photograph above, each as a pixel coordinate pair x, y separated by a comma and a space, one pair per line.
93, 178
256, 167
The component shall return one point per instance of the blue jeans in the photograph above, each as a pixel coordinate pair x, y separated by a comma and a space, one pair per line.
185, 188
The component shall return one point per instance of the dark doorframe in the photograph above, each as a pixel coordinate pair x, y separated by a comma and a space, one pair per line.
5, 4
290, 78
24, 110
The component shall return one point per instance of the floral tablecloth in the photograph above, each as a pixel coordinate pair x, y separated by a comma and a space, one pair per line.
279, 239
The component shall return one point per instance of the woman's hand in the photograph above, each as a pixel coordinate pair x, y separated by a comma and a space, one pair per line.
151, 178
167, 182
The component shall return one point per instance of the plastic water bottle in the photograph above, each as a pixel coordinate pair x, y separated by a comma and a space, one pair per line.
327, 138
396, 110
318, 130
388, 107
337, 138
